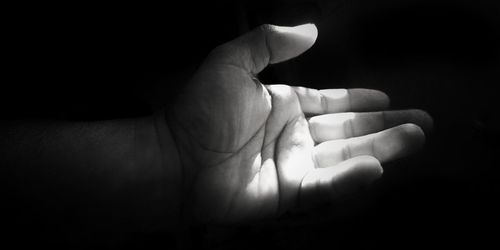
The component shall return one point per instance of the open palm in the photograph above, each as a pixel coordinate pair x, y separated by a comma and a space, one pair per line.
252, 151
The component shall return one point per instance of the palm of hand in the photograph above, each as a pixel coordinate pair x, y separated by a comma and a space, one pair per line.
255, 148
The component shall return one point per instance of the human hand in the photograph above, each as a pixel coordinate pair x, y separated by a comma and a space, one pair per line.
251, 151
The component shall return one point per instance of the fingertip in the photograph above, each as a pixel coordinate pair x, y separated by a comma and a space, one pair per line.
425, 120
412, 128
368, 168
413, 134
288, 42
383, 98
308, 31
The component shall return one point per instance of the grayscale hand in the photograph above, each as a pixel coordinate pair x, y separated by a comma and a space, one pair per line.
252, 151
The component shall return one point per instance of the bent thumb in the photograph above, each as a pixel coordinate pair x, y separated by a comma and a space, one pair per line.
265, 45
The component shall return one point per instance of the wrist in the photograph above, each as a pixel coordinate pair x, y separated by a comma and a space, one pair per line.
156, 153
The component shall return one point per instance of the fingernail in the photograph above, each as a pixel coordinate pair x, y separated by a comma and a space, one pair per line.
307, 30
304, 31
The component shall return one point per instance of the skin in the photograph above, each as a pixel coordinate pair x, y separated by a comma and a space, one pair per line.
254, 151
230, 149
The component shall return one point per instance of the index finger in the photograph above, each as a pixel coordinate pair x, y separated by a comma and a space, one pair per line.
326, 101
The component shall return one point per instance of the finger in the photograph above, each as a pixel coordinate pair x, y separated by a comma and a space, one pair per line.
386, 145
328, 183
346, 125
325, 101
266, 44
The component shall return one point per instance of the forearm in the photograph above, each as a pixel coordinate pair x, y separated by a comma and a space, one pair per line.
121, 172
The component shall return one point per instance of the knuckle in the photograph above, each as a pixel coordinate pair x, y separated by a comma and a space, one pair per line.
266, 28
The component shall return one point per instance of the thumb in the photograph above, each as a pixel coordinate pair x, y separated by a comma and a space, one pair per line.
266, 44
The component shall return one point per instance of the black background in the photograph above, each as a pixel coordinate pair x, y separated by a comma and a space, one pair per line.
94, 62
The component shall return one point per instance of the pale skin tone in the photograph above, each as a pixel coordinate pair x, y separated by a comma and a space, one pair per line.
230, 149
255, 151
